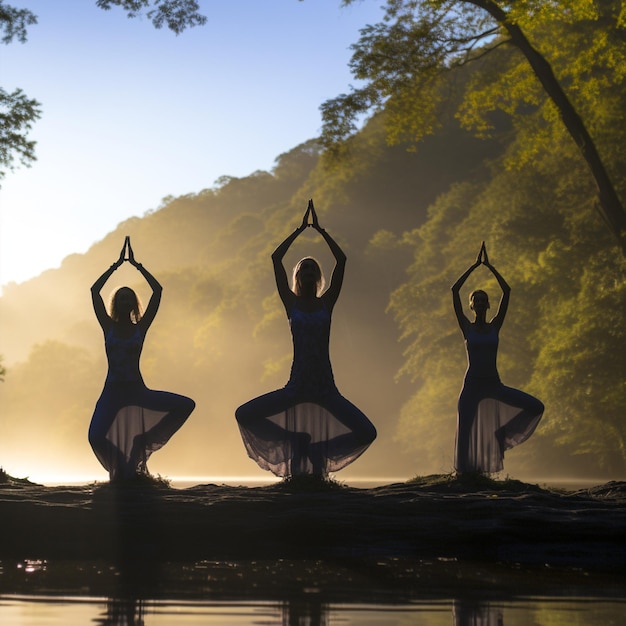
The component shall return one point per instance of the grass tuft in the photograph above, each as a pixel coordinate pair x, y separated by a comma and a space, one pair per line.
302, 483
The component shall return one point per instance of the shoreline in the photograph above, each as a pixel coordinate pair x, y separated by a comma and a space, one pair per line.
440, 516
357, 482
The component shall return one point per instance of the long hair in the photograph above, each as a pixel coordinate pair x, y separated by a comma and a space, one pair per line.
320, 283
136, 311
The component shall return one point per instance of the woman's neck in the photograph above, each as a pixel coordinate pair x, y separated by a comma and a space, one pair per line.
124, 326
308, 303
308, 292
480, 320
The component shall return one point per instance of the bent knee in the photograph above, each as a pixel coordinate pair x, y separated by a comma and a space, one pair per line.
534, 406
241, 415
369, 433
95, 438
373, 433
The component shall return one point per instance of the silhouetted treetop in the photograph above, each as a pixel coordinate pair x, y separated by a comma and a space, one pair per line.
14, 22
177, 15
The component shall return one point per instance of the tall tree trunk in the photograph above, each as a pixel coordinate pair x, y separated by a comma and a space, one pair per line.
610, 206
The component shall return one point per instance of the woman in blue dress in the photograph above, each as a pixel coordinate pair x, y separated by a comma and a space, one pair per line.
307, 427
130, 421
491, 417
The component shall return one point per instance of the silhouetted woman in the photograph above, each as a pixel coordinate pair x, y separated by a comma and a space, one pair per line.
130, 421
307, 427
491, 417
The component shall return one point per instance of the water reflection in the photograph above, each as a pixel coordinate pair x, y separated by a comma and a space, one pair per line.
122, 612
299, 612
145, 592
294, 612
38, 610
315, 612
474, 613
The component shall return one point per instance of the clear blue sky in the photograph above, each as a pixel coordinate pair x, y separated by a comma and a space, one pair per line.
132, 114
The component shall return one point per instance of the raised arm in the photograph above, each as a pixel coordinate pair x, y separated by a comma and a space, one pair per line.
456, 288
155, 298
498, 319
336, 279
96, 297
282, 282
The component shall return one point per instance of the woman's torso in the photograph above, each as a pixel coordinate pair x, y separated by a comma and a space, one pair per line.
482, 351
311, 372
123, 353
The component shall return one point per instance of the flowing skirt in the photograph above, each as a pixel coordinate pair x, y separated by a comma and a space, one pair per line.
491, 419
130, 422
290, 435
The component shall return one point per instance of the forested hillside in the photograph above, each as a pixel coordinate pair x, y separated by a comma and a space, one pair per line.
410, 222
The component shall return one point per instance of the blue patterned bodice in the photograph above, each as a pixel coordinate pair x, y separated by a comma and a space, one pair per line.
123, 356
311, 372
482, 351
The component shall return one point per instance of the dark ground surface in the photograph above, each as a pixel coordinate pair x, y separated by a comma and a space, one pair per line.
472, 519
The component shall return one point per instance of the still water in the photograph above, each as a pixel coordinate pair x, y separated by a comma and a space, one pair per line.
394, 592
71, 611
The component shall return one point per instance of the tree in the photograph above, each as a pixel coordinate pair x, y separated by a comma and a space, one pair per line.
18, 112
401, 59
177, 15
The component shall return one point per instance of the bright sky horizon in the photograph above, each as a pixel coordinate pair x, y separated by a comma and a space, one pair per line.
132, 114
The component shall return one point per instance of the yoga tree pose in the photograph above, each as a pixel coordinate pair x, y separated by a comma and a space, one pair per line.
307, 427
491, 417
130, 421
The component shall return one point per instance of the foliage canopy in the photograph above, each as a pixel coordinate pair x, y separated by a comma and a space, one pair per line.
401, 62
